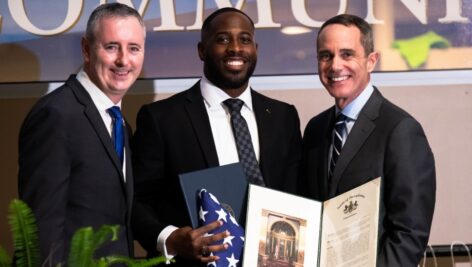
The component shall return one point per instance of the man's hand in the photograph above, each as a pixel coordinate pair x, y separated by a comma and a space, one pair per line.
195, 243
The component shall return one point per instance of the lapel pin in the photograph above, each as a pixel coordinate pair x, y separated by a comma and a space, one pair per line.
267, 110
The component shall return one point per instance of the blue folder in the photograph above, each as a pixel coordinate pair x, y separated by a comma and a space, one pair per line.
227, 183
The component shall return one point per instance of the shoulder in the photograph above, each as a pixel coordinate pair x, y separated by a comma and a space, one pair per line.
391, 120
274, 106
321, 119
394, 115
61, 99
175, 101
260, 98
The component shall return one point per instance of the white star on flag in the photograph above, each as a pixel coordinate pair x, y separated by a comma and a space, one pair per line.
202, 214
232, 261
232, 256
222, 214
228, 239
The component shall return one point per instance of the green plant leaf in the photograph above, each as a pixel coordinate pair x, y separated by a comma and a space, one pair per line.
81, 252
25, 234
103, 235
149, 262
133, 262
85, 242
5, 260
110, 260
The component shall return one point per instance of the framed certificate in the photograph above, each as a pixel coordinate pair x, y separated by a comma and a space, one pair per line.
288, 230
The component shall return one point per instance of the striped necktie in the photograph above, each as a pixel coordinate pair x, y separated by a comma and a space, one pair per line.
338, 133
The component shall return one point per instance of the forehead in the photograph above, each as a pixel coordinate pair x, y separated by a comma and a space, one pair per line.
231, 21
340, 37
123, 27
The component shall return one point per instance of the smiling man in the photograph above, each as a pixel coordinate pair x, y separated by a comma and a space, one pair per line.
192, 131
364, 136
74, 157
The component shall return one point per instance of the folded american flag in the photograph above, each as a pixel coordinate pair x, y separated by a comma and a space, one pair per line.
210, 210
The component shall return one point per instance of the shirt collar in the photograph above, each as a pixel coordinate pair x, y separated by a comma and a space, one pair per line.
353, 109
101, 101
214, 96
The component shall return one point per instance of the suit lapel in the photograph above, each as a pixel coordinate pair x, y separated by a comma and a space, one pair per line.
96, 121
362, 129
201, 124
129, 169
129, 188
265, 124
325, 150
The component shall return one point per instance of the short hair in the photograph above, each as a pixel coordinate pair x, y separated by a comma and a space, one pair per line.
107, 11
367, 39
212, 16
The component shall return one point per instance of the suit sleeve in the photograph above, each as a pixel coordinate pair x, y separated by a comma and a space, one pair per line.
44, 172
409, 195
148, 166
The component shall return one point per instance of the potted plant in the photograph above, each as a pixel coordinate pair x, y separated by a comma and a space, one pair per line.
83, 246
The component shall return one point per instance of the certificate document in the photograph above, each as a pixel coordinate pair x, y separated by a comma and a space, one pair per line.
284, 229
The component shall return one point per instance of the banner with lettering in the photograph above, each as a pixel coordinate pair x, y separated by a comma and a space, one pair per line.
40, 40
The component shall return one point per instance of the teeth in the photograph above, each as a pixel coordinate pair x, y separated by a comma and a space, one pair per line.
339, 78
235, 63
121, 72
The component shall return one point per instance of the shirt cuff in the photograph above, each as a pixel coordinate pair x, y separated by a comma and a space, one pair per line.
161, 242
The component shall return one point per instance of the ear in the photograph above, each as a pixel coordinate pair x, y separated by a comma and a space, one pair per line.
372, 61
201, 51
85, 50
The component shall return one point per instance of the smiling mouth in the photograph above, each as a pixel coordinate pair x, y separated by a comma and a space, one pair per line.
339, 78
120, 72
234, 62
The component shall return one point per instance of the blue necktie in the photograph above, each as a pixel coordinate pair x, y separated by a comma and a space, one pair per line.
246, 153
339, 128
117, 132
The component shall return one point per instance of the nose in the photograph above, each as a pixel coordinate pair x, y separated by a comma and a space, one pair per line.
122, 58
234, 45
336, 63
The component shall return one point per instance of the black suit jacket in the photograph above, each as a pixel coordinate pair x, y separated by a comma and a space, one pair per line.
384, 141
173, 136
70, 174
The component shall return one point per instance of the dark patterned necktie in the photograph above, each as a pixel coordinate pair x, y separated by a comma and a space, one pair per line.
246, 153
339, 128
117, 132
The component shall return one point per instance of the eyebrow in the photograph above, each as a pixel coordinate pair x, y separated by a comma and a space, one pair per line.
229, 32
118, 43
348, 50
342, 50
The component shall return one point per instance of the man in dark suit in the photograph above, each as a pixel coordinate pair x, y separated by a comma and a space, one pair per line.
70, 173
191, 131
379, 139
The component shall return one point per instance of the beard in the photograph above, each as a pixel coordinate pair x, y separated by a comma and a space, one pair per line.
226, 79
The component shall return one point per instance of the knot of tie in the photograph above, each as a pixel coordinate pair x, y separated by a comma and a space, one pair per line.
234, 104
340, 123
115, 113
